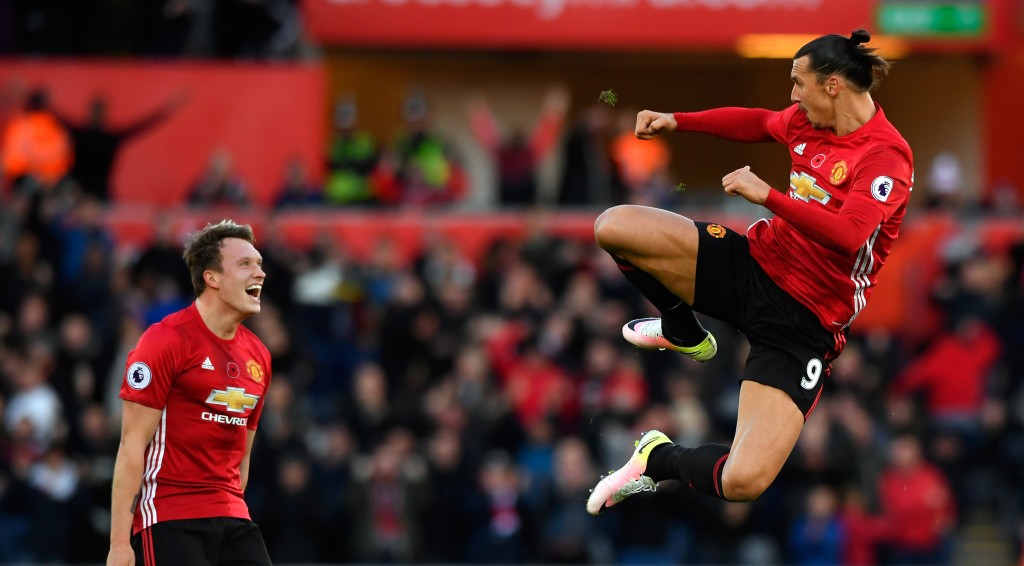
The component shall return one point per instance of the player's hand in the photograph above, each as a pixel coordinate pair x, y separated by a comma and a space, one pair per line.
650, 124
746, 184
121, 555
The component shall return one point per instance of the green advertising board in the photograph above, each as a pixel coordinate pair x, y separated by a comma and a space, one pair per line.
933, 19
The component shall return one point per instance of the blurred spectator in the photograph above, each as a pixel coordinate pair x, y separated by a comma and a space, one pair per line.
567, 534
283, 425
818, 536
518, 154
26, 272
85, 263
688, 410
290, 358
388, 503
34, 326
643, 166
502, 526
590, 176
419, 168
33, 416
536, 457
952, 375
325, 294
450, 477
297, 190
369, 415
917, 506
623, 387
79, 366
381, 275
539, 389
219, 185
398, 341
442, 262
122, 340
352, 158
823, 453
979, 281
333, 453
863, 530
37, 151
945, 182
292, 527
96, 144
58, 505
160, 263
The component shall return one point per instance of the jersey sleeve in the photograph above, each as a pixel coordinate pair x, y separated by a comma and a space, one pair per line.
884, 180
880, 187
732, 123
151, 368
778, 124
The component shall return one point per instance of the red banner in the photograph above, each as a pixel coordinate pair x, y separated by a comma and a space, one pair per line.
575, 24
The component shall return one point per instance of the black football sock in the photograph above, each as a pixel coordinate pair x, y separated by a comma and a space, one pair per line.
700, 467
678, 323
681, 326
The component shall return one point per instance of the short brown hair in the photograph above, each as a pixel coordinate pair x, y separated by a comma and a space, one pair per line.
202, 251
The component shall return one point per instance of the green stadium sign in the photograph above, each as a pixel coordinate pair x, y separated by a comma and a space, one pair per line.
943, 19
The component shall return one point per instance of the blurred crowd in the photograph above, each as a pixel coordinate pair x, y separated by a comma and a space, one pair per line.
445, 408
601, 162
442, 408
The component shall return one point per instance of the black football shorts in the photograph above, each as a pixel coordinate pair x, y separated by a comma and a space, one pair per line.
201, 542
789, 349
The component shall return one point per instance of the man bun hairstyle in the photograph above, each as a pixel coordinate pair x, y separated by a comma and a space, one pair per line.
847, 57
202, 251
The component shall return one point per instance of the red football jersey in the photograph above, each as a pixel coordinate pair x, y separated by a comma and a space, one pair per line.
830, 262
211, 393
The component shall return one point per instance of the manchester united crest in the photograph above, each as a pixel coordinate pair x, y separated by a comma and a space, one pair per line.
255, 370
716, 230
839, 171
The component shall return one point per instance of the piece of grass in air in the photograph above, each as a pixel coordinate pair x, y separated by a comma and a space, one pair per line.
609, 97
681, 187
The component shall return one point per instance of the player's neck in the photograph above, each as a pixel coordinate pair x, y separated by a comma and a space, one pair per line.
854, 111
222, 320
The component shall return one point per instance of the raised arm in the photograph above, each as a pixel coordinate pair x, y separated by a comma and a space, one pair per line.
155, 117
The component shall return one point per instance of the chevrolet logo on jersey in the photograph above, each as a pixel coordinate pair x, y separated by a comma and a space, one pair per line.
805, 188
235, 399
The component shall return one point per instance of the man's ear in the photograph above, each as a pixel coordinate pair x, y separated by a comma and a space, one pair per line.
832, 85
212, 279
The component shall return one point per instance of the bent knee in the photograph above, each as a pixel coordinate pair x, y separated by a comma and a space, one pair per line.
743, 486
611, 228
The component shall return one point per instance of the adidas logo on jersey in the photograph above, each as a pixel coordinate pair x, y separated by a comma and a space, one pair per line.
207, 364
799, 148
